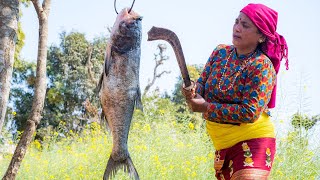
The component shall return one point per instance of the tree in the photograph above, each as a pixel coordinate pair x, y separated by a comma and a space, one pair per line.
159, 59
183, 114
18, 73
299, 121
9, 14
73, 70
40, 90
23, 79
194, 73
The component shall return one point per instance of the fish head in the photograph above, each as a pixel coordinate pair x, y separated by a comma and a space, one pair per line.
126, 32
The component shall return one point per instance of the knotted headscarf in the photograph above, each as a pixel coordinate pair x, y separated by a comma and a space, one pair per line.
275, 46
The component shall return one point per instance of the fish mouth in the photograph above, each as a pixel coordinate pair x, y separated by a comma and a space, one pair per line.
128, 36
130, 27
129, 22
127, 32
125, 20
139, 18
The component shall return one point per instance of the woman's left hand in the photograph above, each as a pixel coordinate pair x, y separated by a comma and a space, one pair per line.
197, 104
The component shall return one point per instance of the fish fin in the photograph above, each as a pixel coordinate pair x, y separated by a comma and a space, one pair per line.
113, 166
104, 122
138, 102
107, 59
107, 62
98, 88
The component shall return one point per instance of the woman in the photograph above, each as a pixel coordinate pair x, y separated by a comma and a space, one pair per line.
234, 92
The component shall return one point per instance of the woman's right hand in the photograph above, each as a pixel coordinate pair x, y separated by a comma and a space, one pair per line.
188, 92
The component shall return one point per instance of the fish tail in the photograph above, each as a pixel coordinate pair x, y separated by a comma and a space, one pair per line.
113, 166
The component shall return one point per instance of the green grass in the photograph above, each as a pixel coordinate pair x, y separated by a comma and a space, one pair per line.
160, 148
295, 160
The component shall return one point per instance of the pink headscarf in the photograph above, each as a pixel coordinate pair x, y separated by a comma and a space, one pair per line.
275, 46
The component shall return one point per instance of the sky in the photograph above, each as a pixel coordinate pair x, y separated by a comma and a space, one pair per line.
200, 25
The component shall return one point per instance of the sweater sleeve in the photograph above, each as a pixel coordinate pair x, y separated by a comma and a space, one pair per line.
206, 70
256, 94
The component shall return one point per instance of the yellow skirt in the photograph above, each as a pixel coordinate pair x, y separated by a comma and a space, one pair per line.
227, 135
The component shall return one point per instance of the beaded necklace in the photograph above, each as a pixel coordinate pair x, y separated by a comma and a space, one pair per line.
237, 72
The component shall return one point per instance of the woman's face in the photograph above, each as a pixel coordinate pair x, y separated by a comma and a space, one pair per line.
245, 33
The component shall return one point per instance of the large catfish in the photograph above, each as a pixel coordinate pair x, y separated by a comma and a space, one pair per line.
119, 88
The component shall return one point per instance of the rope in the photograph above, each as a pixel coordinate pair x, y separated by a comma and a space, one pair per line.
115, 6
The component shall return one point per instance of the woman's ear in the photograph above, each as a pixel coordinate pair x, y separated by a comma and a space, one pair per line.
262, 38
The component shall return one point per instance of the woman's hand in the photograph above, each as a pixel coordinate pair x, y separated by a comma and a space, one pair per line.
197, 104
187, 92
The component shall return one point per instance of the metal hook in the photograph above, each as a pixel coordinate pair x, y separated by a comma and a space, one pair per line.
115, 4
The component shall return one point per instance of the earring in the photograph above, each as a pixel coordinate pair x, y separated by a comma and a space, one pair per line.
260, 41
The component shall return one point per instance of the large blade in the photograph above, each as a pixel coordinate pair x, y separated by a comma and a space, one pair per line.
156, 33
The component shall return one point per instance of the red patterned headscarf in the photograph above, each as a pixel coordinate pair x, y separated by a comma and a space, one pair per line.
275, 46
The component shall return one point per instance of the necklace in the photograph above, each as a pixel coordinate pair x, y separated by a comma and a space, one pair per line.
237, 72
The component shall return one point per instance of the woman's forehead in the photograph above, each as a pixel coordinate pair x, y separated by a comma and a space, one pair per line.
243, 17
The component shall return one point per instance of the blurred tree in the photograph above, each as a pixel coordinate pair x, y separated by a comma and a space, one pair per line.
194, 73
72, 70
39, 91
21, 94
302, 125
183, 113
303, 121
159, 60
19, 73
9, 15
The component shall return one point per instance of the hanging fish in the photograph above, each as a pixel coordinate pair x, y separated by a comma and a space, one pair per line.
119, 88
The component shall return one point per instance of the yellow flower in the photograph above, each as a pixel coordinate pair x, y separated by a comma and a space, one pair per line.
280, 173
147, 128
144, 147
67, 177
161, 111
191, 126
136, 126
37, 144
14, 113
156, 158
80, 168
188, 162
180, 144
187, 170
